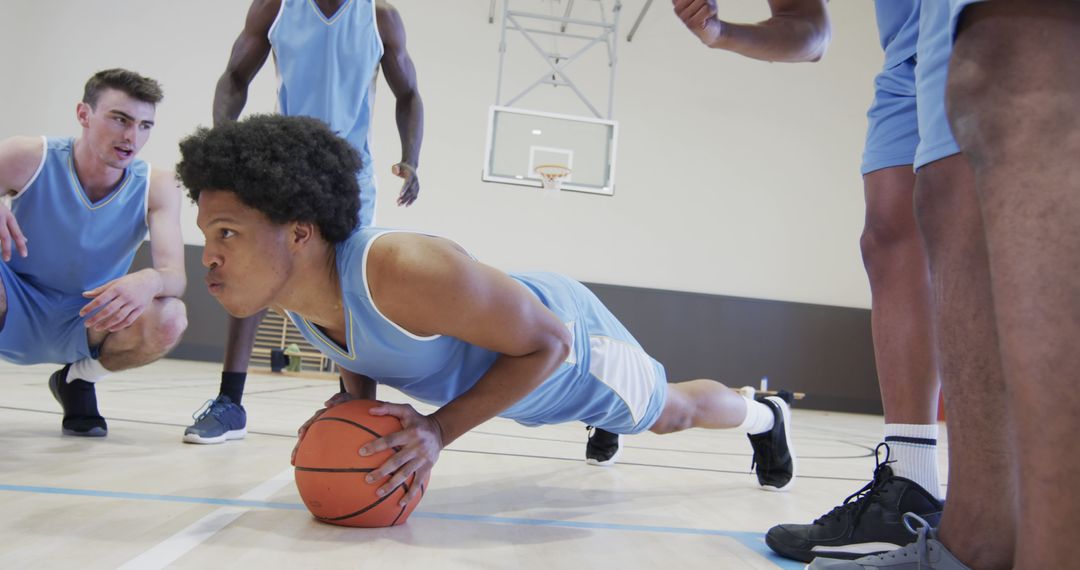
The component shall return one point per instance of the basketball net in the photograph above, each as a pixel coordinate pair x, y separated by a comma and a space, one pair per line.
552, 175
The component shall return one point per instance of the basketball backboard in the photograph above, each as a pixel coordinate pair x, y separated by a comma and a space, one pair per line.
519, 140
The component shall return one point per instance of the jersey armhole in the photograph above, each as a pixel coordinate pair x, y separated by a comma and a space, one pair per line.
273, 26
41, 165
367, 289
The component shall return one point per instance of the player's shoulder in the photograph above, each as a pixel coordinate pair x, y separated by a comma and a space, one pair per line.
20, 157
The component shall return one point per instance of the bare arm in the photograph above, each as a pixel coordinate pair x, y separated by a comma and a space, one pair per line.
19, 160
249, 53
166, 241
358, 385
429, 286
117, 304
798, 30
409, 111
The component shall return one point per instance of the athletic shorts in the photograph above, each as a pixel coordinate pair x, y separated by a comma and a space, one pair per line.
956, 8
907, 122
607, 381
42, 325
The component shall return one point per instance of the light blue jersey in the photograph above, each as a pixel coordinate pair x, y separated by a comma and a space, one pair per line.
74, 245
608, 381
326, 68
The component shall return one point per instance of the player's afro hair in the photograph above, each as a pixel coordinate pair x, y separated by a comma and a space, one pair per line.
292, 169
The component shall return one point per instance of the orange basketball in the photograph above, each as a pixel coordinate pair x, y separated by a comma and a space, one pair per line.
330, 471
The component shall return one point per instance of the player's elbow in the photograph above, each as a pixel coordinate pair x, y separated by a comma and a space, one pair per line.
558, 344
818, 37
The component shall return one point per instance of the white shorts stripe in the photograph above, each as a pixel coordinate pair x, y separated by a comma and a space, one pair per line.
626, 369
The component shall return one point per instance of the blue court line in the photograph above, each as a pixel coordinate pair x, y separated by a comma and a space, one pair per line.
752, 540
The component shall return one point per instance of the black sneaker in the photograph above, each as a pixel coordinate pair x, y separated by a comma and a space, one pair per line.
79, 401
868, 522
603, 448
774, 461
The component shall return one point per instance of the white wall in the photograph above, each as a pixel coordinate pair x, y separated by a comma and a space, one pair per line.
734, 176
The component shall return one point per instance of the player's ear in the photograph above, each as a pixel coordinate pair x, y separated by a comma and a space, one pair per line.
301, 233
82, 113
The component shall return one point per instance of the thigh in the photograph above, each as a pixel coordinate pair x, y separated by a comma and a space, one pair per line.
40, 327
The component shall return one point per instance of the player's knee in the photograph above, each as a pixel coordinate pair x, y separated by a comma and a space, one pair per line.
881, 240
675, 418
170, 325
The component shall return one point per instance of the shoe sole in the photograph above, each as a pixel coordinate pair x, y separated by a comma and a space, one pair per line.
785, 410
92, 432
233, 434
783, 550
608, 462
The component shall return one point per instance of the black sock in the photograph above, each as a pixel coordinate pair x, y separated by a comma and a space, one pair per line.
232, 385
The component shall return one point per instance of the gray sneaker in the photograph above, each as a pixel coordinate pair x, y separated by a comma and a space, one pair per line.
926, 553
216, 421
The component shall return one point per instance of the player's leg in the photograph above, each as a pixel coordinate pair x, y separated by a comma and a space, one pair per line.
1014, 103
224, 418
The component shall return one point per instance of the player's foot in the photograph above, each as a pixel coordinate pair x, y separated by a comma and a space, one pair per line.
79, 401
217, 421
774, 460
603, 448
868, 522
925, 553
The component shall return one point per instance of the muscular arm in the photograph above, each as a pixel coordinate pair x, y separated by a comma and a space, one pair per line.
401, 77
798, 30
429, 286
19, 160
166, 241
249, 53
358, 385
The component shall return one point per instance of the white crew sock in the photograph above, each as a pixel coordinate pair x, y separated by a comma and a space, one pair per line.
913, 454
759, 418
88, 369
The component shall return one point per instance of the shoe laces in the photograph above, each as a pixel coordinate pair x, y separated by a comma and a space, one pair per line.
857, 502
209, 408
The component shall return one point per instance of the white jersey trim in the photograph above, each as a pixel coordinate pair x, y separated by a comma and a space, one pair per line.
146, 198
367, 289
281, 10
40, 167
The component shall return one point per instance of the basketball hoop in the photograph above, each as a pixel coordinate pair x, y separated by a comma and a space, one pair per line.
552, 175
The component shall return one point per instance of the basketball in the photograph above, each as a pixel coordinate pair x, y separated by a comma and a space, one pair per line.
330, 471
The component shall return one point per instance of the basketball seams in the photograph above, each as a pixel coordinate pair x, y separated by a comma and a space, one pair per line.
330, 492
365, 509
336, 469
350, 422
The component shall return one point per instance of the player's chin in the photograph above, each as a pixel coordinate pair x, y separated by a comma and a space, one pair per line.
240, 310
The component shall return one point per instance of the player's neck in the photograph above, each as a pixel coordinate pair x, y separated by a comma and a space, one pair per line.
314, 288
96, 177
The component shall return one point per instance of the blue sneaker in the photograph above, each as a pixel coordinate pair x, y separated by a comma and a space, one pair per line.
216, 421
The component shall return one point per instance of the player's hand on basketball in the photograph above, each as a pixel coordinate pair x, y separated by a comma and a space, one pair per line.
410, 188
339, 398
416, 446
121, 301
700, 17
10, 234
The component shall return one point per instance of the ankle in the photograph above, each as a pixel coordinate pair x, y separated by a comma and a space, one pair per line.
977, 546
